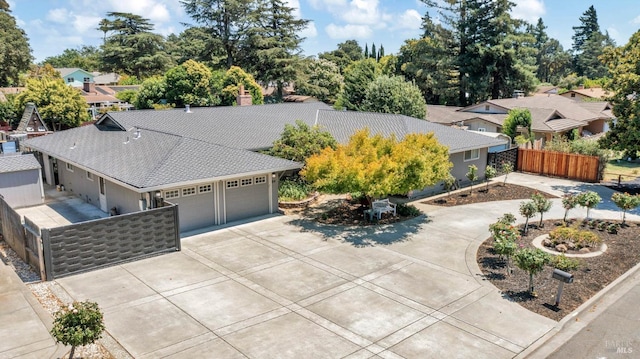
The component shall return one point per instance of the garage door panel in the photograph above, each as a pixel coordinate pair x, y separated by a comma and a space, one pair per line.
246, 201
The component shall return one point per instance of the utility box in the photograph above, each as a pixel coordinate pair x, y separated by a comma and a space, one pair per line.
562, 276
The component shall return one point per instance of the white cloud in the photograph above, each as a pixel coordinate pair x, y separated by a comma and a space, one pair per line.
295, 5
83, 23
410, 19
348, 31
362, 12
58, 15
309, 31
615, 35
528, 10
636, 20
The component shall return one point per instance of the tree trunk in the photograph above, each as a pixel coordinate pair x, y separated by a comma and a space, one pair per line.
73, 349
540, 224
526, 225
531, 289
564, 219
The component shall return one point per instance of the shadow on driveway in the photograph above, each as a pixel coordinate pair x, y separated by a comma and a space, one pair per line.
364, 236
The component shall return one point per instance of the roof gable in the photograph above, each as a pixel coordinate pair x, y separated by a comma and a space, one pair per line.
31, 120
106, 122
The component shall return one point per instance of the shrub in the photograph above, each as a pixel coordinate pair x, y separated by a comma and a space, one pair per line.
564, 263
613, 228
569, 202
507, 218
449, 183
78, 324
472, 175
507, 167
542, 204
489, 173
531, 261
625, 202
527, 209
579, 238
293, 190
407, 210
589, 199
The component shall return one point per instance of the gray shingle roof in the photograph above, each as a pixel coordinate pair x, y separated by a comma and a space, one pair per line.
155, 159
176, 147
247, 127
342, 124
17, 162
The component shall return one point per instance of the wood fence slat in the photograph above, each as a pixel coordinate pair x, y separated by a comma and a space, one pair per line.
559, 164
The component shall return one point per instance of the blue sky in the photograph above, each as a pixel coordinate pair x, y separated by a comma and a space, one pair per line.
55, 25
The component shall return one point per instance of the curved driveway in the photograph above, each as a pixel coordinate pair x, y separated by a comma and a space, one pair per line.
284, 287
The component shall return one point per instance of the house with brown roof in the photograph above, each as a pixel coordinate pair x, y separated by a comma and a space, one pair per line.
551, 114
589, 94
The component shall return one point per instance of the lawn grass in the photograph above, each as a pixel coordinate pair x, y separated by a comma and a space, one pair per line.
616, 167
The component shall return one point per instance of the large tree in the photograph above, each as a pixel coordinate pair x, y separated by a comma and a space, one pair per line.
274, 43
589, 42
130, 46
152, 92
588, 62
234, 77
60, 105
299, 142
195, 43
320, 79
377, 166
189, 84
227, 21
488, 51
85, 57
624, 134
394, 95
346, 53
15, 53
357, 78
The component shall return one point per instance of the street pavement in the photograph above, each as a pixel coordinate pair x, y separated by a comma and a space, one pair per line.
285, 287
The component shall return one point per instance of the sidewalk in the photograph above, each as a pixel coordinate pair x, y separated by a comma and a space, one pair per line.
24, 324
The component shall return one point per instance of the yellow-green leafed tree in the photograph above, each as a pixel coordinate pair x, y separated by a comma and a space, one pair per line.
60, 105
377, 166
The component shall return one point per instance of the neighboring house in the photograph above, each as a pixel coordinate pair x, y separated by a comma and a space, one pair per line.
110, 78
20, 180
31, 124
551, 114
101, 97
74, 76
547, 90
583, 94
206, 159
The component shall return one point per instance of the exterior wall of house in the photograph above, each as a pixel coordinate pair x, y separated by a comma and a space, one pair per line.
574, 95
22, 188
76, 79
486, 108
596, 126
476, 125
124, 199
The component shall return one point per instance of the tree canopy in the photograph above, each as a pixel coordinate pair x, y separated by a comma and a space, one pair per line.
59, 104
357, 77
189, 84
377, 166
394, 95
15, 53
234, 77
624, 133
301, 141
517, 117
320, 79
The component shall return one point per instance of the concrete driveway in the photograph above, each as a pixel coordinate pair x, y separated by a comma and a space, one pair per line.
284, 287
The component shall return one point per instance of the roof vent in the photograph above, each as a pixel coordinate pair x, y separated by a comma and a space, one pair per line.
187, 108
73, 147
137, 134
126, 140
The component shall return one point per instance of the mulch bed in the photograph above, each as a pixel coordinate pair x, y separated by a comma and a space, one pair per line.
593, 274
351, 213
496, 192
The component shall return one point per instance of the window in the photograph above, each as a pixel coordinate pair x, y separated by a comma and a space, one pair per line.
86, 79
261, 179
172, 193
189, 191
69, 167
204, 188
246, 182
69, 79
29, 129
573, 95
232, 184
487, 107
89, 176
41, 129
471, 155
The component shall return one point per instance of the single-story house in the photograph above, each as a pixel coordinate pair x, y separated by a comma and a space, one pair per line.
20, 180
206, 160
551, 114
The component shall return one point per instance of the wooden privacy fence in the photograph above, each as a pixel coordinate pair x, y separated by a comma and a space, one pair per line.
559, 164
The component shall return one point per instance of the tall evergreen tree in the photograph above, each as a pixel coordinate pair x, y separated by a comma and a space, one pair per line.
380, 52
347, 52
588, 62
366, 51
131, 47
588, 26
374, 53
15, 53
227, 21
275, 43
357, 78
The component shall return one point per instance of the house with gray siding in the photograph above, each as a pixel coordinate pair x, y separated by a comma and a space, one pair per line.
20, 180
207, 160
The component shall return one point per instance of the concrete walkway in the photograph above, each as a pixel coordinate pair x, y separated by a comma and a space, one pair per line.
285, 287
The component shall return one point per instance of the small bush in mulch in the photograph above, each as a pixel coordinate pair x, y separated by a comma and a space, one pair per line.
496, 192
590, 274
